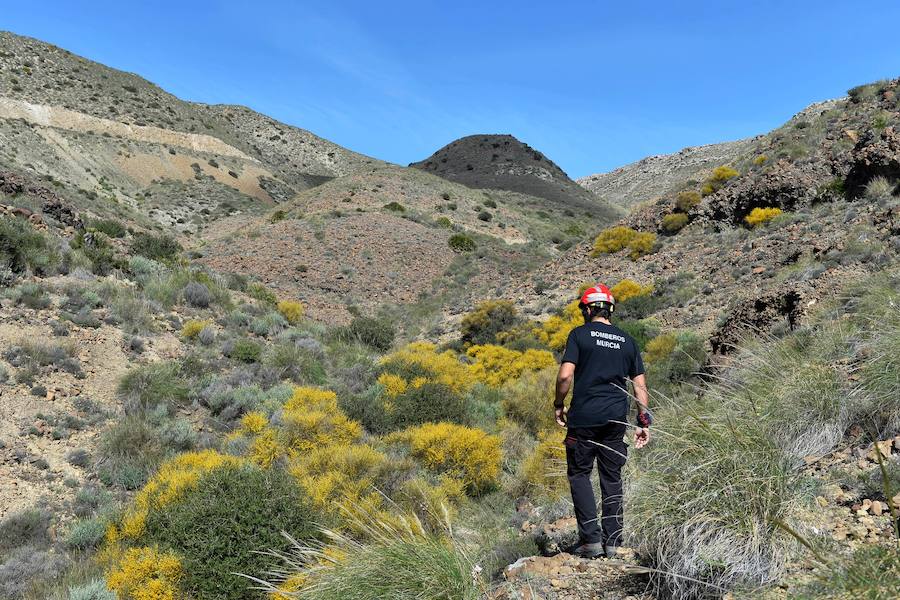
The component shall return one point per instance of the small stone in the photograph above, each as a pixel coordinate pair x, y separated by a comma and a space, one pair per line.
877, 508
51, 396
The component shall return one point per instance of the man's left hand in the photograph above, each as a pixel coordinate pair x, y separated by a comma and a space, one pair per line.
641, 436
561, 416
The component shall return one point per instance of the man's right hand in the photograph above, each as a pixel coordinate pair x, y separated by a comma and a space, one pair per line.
561, 416
641, 436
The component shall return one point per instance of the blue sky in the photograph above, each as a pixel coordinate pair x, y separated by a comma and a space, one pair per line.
592, 84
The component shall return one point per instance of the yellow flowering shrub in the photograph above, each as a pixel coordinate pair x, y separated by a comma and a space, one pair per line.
760, 160
306, 398
544, 471
254, 422
394, 385
618, 238
555, 330
495, 365
718, 178
291, 311
146, 574
759, 216
192, 328
312, 419
333, 474
468, 455
660, 347
264, 448
170, 482
723, 173
627, 289
421, 359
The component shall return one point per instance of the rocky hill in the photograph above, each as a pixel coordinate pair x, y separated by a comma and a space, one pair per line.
828, 174
503, 162
117, 140
653, 177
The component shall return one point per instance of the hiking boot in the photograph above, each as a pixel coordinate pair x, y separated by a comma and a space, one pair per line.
610, 551
586, 550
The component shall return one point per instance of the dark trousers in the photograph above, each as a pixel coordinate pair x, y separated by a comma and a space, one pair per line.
606, 446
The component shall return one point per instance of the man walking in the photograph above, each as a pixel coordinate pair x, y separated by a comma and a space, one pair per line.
600, 358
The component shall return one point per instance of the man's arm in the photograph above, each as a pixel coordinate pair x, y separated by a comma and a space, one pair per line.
563, 385
641, 434
640, 392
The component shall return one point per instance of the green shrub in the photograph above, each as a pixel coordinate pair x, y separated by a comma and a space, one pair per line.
161, 248
99, 252
226, 523
376, 332
675, 357
485, 216
24, 528
271, 323
278, 215
168, 287
141, 266
110, 227
33, 295
674, 222
246, 351
526, 400
261, 293
460, 242
132, 311
395, 207
489, 318
155, 385
196, 294
23, 248
86, 533
686, 200
428, 403
93, 590
640, 331
296, 363
130, 450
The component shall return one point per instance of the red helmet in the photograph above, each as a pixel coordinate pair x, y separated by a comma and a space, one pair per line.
597, 293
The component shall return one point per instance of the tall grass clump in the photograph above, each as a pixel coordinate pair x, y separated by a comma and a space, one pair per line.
397, 560
704, 504
709, 498
23, 248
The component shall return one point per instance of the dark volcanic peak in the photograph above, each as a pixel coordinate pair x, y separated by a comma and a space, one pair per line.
503, 162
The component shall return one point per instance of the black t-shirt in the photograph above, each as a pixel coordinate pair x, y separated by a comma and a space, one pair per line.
604, 356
